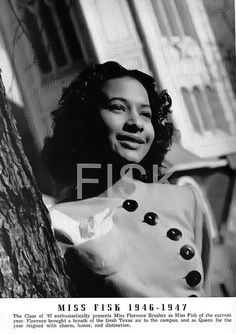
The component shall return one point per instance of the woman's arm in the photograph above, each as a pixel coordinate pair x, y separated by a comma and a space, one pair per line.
203, 236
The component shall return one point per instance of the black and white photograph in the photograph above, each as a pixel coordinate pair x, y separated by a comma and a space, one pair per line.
117, 160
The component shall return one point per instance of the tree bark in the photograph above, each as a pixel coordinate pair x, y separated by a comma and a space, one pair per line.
30, 262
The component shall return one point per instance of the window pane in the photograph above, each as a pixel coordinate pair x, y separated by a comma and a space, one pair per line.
161, 18
217, 109
68, 30
191, 110
52, 33
186, 19
172, 15
204, 109
37, 42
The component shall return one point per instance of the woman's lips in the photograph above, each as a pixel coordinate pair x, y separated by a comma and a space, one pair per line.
131, 138
130, 141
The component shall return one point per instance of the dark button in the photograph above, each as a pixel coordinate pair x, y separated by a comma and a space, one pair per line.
187, 252
130, 205
193, 296
151, 218
193, 278
174, 234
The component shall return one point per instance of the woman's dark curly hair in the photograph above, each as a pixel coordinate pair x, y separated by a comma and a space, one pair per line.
77, 117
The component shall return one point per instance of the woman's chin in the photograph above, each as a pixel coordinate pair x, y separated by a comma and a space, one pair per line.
130, 157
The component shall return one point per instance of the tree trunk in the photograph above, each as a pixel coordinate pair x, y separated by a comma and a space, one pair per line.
30, 262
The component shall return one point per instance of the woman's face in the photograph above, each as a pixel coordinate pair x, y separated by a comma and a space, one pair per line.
126, 116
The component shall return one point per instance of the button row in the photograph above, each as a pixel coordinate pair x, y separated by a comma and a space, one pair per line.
187, 252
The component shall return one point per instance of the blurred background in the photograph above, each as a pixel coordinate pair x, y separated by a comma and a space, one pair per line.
187, 45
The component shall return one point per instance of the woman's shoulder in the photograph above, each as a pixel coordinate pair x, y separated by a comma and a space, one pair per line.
171, 193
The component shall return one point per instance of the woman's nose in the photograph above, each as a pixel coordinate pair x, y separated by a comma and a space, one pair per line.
134, 122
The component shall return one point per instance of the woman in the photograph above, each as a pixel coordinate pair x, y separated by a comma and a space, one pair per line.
128, 236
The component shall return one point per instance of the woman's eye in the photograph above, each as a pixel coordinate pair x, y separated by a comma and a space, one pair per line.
116, 107
146, 114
